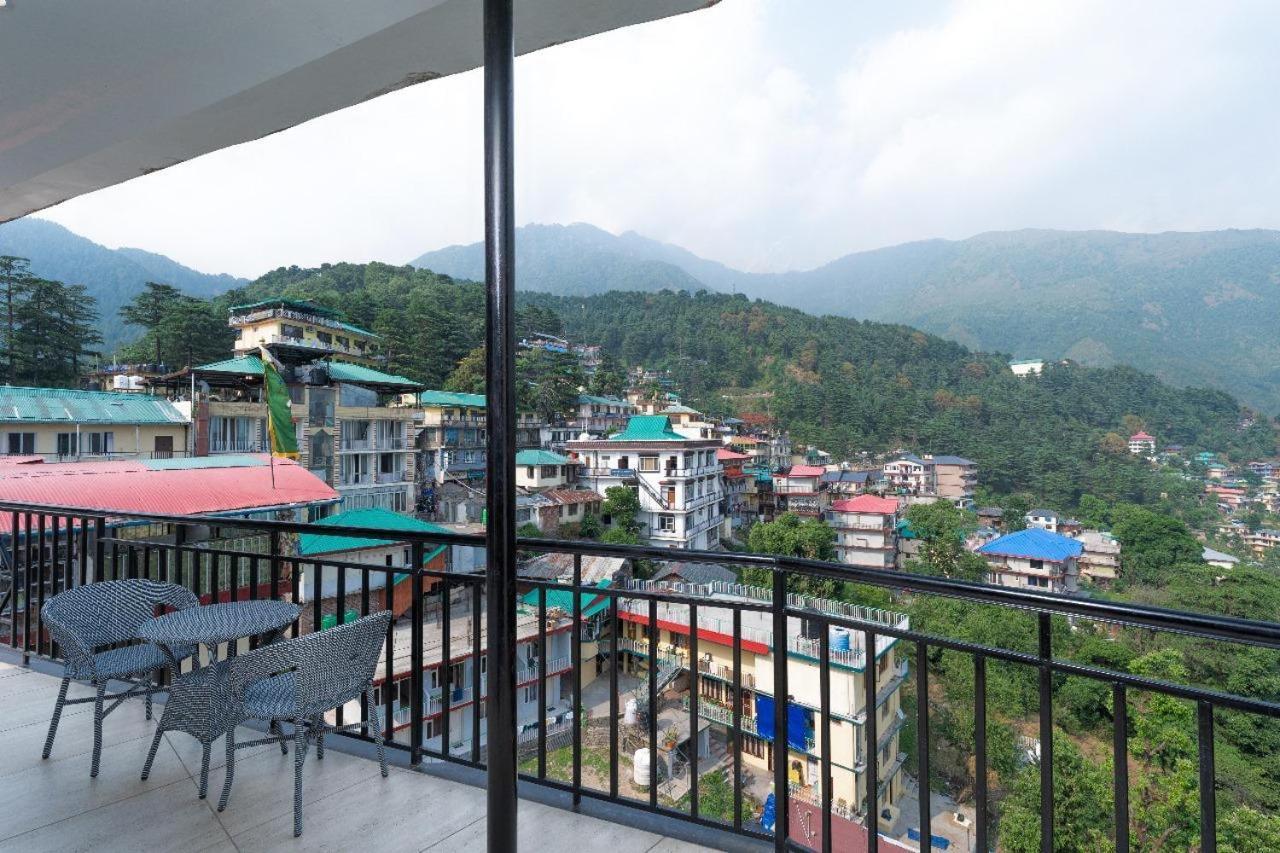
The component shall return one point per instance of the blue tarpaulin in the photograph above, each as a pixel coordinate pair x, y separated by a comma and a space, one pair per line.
799, 722
934, 840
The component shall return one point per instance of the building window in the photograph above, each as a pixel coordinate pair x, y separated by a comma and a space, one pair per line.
22, 442
528, 472
666, 522
1037, 564
68, 444
548, 471
648, 463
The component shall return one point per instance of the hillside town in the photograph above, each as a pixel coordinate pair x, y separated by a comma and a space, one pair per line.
381, 451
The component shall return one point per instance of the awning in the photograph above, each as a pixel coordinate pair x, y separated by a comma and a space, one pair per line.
98, 93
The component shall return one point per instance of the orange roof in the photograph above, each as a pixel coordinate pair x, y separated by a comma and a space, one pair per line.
724, 454
805, 471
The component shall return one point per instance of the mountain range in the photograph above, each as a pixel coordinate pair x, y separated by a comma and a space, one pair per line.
1195, 309
112, 276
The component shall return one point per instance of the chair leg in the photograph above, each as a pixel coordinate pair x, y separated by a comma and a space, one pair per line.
231, 770
204, 771
154, 677
276, 729
382, 749
299, 752
97, 730
319, 740
151, 755
57, 715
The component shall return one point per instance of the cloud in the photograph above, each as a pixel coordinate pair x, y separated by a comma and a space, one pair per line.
724, 132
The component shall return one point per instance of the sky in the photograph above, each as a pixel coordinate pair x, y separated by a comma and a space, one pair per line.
769, 135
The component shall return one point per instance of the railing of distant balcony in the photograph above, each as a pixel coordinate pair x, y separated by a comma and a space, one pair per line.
56, 548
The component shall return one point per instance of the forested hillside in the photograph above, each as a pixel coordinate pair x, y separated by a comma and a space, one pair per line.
1195, 309
847, 386
111, 276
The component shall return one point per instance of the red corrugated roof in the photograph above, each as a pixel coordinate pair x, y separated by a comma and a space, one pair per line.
132, 487
806, 471
1141, 436
724, 454
866, 503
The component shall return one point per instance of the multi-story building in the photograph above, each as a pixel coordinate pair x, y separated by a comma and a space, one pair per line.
299, 331
715, 675
1100, 559
908, 475
1261, 541
452, 435
798, 490
846, 484
59, 424
350, 432
677, 479
1034, 559
736, 485
599, 415
866, 531
1043, 519
954, 478
690, 422
1142, 444
951, 478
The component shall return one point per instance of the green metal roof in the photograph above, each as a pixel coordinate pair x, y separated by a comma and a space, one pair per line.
648, 428
451, 398
602, 401
541, 457
295, 304
357, 330
344, 371
339, 371
679, 409
374, 518
65, 405
563, 599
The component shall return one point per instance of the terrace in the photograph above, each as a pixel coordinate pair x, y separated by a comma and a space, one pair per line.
232, 74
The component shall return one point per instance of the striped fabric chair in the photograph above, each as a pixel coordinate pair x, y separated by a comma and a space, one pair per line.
86, 621
299, 681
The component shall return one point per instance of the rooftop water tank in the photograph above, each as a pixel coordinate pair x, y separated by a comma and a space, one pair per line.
839, 639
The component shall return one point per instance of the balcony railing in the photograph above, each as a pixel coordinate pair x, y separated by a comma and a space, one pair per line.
50, 549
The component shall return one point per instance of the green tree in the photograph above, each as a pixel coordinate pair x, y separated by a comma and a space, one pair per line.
15, 282
469, 375
590, 527
1246, 830
790, 535
622, 507
149, 309
609, 380
1154, 545
1081, 805
549, 382
942, 528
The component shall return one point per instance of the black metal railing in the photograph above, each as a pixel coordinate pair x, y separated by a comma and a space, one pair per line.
722, 642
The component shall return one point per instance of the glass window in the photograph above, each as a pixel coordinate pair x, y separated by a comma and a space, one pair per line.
22, 442
648, 463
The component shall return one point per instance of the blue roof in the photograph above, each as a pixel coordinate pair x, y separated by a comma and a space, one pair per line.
1035, 544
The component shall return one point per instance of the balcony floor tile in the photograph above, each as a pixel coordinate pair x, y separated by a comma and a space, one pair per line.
54, 805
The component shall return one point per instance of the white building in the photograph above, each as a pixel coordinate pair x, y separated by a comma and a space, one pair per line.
677, 479
1142, 444
1043, 519
1027, 367
865, 529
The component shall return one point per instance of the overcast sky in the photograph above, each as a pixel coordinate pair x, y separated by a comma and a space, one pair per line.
771, 135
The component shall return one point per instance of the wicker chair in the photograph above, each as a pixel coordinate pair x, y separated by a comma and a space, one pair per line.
85, 620
299, 681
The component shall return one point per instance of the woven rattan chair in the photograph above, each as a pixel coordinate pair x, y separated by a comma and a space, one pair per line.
85, 621
299, 681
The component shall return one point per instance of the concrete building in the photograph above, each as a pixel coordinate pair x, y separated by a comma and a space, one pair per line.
539, 470
1027, 367
715, 669
1043, 519
1142, 444
59, 424
677, 479
908, 475
866, 531
1034, 559
954, 479
351, 433
1100, 559
1219, 559
299, 331
798, 489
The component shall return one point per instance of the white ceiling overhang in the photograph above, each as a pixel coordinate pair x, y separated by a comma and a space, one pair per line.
95, 92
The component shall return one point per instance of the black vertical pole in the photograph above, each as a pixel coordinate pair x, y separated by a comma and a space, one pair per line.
500, 392
781, 750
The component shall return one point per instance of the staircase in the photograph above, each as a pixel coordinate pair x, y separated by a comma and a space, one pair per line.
653, 493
